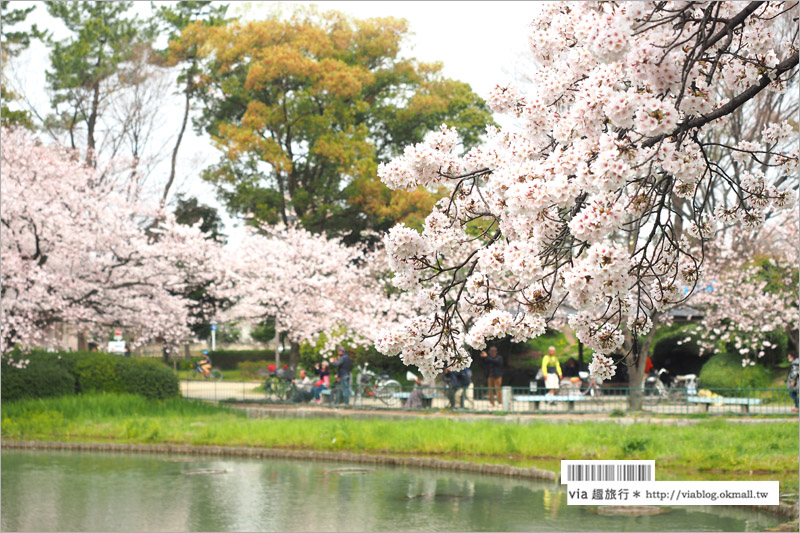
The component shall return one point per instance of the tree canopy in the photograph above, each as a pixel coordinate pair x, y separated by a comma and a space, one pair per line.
306, 107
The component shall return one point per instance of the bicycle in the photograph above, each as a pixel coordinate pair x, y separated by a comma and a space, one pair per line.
379, 387
279, 386
214, 373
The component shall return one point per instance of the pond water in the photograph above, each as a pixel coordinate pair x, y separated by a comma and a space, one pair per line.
73, 491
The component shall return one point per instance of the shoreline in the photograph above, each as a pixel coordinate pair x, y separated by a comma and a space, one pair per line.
279, 453
789, 512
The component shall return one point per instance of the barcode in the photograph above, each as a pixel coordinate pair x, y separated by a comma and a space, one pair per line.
610, 471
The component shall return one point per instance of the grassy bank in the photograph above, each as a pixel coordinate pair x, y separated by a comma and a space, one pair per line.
716, 446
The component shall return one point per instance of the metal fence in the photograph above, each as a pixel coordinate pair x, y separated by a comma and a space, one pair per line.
607, 400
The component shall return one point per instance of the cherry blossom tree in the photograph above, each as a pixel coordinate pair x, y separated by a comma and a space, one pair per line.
311, 285
603, 197
74, 251
751, 289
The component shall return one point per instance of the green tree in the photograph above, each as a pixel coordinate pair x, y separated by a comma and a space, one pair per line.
13, 42
304, 109
189, 212
83, 74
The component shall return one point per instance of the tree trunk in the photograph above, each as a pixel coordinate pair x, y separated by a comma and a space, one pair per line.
83, 344
165, 353
294, 356
186, 108
636, 361
794, 338
91, 123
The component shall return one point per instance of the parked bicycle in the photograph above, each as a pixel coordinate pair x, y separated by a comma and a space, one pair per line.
278, 385
664, 385
370, 385
589, 386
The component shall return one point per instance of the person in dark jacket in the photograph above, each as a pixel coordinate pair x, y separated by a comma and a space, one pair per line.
494, 370
344, 366
451, 382
464, 389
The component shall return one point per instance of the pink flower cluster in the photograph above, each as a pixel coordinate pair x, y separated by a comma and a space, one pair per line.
600, 193
75, 251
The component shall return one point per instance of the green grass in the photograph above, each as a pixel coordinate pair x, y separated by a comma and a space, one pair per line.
714, 445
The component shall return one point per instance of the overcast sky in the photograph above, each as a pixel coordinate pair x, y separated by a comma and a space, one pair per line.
478, 43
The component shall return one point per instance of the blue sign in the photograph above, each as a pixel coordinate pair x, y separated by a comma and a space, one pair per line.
213, 327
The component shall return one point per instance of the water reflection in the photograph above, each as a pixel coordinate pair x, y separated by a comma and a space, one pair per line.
70, 491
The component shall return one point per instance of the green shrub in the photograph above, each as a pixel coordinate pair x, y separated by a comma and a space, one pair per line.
67, 373
147, 377
775, 354
41, 378
250, 369
184, 364
229, 359
725, 371
99, 373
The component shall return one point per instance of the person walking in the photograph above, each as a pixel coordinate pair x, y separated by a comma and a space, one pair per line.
494, 370
551, 380
793, 377
344, 366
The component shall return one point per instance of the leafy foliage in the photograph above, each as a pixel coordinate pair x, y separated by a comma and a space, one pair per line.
306, 107
40, 379
725, 371
65, 373
230, 359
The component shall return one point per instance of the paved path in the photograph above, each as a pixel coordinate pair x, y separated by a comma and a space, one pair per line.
246, 391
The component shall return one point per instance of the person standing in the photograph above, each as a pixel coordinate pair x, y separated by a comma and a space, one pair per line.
451, 382
344, 371
464, 390
552, 379
494, 371
793, 377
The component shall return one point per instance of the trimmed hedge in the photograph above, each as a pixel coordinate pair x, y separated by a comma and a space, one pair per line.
148, 377
230, 359
99, 373
39, 379
724, 371
68, 373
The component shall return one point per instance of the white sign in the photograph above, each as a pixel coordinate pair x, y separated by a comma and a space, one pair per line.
117, 334
116, 346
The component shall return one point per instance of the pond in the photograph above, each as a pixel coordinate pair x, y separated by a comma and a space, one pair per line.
74, 491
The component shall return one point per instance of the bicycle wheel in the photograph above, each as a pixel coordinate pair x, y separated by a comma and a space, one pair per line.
289, 391
215, 374
387, 391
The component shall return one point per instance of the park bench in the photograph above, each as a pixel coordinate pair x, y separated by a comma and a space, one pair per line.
745, 403
427, 401
535, 399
